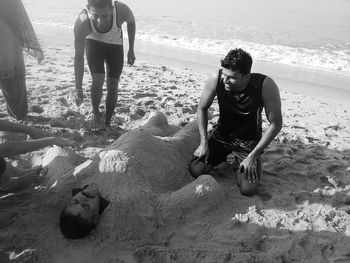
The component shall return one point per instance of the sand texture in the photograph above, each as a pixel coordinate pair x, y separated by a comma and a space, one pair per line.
157, 211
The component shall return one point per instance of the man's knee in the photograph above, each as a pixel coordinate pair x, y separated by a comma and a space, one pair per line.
198, 168
112, 84
98, 80
248, 189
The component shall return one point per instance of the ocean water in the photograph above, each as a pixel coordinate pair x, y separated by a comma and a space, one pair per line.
304, 33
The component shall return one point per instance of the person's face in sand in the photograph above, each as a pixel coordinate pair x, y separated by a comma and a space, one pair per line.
101, 17
86, 203
234, 80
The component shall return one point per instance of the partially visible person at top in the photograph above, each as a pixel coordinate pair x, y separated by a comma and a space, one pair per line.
99, 27
14, 178
17, 34
241, 96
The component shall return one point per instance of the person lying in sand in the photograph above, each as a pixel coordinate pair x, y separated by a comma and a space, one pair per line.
140, 182
99, 28
241, 97
15, 178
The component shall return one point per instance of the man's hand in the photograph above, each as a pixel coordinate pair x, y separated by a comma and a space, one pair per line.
131, 57
202, 151
249, 167
78, 97
35, 133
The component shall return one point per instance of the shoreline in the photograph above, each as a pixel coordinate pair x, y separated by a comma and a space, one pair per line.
310, 81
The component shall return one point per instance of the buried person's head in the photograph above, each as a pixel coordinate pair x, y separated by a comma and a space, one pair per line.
81, 215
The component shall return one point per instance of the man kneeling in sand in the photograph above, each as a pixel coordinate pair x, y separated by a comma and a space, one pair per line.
144, 176
241, 97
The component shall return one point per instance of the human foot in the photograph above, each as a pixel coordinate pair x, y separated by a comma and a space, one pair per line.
97, 122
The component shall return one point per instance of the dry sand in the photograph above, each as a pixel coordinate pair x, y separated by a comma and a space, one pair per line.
301, 213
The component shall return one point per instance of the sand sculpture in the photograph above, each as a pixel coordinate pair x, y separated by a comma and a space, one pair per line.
144, 175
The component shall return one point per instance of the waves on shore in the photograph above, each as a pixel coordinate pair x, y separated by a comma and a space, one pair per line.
330, 58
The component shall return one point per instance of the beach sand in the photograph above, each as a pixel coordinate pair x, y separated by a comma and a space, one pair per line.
302, 211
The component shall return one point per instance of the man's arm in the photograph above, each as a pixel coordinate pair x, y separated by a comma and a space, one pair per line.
81, 30
205, 102
272, 104
17, 127
208, 95
128, 17
131, 27
8, 149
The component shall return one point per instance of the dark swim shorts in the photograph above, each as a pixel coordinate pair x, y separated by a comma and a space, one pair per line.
98, 52
220, 147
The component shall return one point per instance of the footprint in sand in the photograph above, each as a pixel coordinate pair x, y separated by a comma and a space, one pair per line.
296, 253
167, 101
190, 109
178, 104
61, 87
344, 259
36, 109
7, 218
149, 102
332, 169
302, 160
263, 194
63, 101
143, 95
336, 127
138, 114
328, 254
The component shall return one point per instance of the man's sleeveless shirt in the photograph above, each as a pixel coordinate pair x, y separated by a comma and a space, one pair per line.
113, 36
240, 112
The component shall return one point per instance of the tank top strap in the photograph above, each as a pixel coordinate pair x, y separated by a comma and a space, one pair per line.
219, 79
116, 14
87, 15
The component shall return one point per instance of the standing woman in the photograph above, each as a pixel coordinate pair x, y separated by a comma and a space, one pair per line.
17, 34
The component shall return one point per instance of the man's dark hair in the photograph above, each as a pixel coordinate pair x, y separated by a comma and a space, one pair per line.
73, 226
238, 59
99, 3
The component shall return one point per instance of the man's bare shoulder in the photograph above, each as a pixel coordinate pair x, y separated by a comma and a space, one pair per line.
210, 84
270, 89
82, 17
81, 26
269, 85
213, 78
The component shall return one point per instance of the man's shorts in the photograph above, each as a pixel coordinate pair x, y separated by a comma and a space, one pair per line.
98, 52
220, 147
